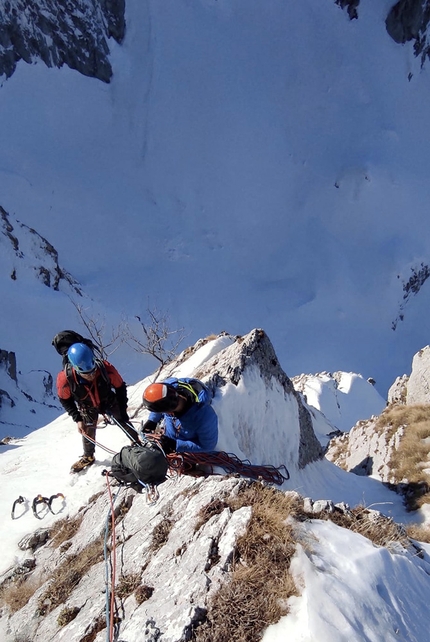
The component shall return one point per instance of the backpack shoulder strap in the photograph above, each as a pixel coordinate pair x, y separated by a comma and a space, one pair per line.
188, 389
68, 371
104, 373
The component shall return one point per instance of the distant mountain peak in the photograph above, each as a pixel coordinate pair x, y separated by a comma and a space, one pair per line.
32, 252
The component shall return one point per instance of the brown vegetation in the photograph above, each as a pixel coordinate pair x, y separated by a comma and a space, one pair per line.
14, 594
340, 451
67, 576
410, 463
260, 581
215, 507
381, 530
64, 529
160, 534
143, 593
67, 615
419, 533
127, 584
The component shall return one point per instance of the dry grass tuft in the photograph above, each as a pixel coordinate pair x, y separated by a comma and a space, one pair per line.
160, 534
127, 584
64, 529
67, 615
143, 593
215, 507
419, 533
95, 497
340, 451
381, 530
67, 576
260, 582
14, 594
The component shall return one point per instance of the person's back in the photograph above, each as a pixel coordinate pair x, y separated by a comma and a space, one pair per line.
189, 419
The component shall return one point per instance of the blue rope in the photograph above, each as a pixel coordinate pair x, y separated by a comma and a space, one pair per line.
107, 559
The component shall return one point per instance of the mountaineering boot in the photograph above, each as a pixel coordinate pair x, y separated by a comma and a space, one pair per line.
83, 462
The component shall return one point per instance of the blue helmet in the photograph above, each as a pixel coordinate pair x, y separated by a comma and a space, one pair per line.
81, 357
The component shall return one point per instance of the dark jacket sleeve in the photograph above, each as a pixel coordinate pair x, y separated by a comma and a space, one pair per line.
71, 409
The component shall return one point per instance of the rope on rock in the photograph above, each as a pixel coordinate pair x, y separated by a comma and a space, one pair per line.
110, 574
198, 464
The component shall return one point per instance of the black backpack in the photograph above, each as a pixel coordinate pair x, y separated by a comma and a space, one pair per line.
145, 463
62, 342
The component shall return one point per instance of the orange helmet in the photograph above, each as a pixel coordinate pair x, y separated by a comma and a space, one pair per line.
160, 397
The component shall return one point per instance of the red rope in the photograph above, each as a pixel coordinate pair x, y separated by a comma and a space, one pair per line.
188, 464
97, 443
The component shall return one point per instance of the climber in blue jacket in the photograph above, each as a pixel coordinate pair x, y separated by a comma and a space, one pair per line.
190, 422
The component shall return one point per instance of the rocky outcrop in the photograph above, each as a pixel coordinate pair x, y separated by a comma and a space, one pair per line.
404, 20
32, 252
408, 20
418, 387
8, 363
73, 33
350, 6
368, 447
398, 391
413, 388
365, 450
253, 355
411, 287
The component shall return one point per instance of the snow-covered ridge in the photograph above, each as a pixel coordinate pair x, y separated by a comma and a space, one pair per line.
26, 252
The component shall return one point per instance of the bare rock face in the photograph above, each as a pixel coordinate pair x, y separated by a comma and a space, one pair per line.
405, 20
31, 252
73, 33
171, 558
350, 6
418, 387
8, 363
398, 391
413, 388
365, 450
253, 356
408, 20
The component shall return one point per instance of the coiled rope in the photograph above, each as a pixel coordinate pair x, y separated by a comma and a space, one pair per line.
198, 464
